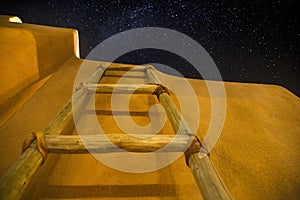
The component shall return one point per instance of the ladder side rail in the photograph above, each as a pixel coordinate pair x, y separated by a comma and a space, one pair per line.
14, 182
207, 178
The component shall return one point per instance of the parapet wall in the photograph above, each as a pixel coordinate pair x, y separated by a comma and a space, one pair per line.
30, 52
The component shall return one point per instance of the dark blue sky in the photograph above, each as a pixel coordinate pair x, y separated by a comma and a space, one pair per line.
250, 41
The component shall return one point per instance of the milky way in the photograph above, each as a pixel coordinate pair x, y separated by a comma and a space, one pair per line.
253, 41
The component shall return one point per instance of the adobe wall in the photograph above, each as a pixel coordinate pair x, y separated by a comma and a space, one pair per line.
31, 52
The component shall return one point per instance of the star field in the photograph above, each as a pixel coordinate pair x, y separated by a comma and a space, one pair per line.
250, 41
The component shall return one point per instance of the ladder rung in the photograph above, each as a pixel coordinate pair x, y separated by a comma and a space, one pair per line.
121, 88
110, 143
129, 74
126, 67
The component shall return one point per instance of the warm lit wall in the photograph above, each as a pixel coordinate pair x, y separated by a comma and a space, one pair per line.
19, 66
30, 53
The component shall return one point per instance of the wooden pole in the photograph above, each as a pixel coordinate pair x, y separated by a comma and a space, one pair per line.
121, 88
209, 182
121, 67
17, 178
177, 121
207, 178
125, 74
110, 143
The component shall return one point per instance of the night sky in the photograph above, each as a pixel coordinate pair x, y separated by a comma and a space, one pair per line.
250, 41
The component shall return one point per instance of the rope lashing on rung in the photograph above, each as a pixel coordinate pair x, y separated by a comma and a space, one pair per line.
41, 143
161, 89
83, 86
194, 147
100, 66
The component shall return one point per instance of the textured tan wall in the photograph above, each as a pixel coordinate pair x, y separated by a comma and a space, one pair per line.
256, 156
30, 53
18, 66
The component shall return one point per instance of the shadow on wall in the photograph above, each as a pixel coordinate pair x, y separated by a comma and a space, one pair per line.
112, 191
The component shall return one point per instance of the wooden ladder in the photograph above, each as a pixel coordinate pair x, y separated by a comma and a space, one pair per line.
54, 140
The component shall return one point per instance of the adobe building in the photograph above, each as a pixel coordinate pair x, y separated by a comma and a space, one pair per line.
256, 156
